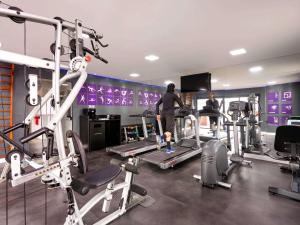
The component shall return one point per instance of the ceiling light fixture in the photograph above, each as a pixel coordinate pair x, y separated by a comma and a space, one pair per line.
255, 69
151, 58
214, 80
134, 75
167, 82
272, 82
226, 85
239, 51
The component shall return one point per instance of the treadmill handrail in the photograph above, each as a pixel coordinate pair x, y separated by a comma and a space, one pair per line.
141, 115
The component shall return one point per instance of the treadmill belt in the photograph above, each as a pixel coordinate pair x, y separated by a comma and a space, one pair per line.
277, 155
132, 146
187, 143
161, 156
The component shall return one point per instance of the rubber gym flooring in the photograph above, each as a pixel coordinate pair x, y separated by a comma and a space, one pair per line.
179, 199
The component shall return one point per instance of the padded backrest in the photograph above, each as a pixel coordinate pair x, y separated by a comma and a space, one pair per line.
79, 149
286, 134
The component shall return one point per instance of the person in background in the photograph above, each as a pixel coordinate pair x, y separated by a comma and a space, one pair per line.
167, 114
213, 104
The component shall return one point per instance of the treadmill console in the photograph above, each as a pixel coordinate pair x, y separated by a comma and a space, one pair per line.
294, 120
183, 112
209, 111
149, 114
237, 106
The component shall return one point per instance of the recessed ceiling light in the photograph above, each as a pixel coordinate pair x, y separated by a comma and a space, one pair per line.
0, 44
134, 75
272, 82
168, 82
214, 80
151, 58
255, 69
239, 51
226, 85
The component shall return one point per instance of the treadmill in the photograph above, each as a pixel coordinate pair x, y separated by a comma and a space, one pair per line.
185, 148
151, 142
219, 135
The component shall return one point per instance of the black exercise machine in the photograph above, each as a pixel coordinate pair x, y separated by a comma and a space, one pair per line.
151, 142
287, 139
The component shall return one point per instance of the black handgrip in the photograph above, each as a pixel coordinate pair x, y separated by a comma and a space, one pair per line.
16, 145
102, 45
138, 189
131, 168
88, 51
80, 187
102, 59
94, 54
33, 135
16, 126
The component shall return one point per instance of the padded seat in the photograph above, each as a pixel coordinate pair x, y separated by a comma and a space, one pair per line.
97, 178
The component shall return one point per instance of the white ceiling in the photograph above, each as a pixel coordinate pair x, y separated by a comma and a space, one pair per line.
189, 36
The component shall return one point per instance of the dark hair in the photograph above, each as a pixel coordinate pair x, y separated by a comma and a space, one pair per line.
171, 88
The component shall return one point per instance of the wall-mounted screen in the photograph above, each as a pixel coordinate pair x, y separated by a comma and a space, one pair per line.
196, 82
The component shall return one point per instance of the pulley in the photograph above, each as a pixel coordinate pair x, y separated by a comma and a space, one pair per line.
52, 49
16, 19
32, 98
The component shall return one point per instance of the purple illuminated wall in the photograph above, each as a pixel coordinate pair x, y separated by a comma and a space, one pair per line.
273, 96
286, 109
273, 108
284, 120
147, 98
103, 95
286, 96
282, 100
273, 120
94, 94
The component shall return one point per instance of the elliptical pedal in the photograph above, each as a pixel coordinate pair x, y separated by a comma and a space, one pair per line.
236, 158
240, 160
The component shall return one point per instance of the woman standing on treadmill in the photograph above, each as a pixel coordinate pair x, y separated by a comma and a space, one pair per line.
167, 114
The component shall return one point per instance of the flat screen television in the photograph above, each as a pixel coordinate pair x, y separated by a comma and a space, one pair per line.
196, 82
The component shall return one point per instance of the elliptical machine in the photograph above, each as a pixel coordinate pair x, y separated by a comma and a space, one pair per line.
214, 160
251, 132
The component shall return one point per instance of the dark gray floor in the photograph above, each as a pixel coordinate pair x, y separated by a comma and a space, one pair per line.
179, 198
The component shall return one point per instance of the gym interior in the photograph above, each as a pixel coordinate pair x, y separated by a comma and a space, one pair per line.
150, 112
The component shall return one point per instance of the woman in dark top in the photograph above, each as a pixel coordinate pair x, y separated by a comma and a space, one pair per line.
167, 114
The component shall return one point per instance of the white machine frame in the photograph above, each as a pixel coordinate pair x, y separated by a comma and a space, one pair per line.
60, 170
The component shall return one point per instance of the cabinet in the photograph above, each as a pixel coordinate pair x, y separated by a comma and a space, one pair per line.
100, 131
